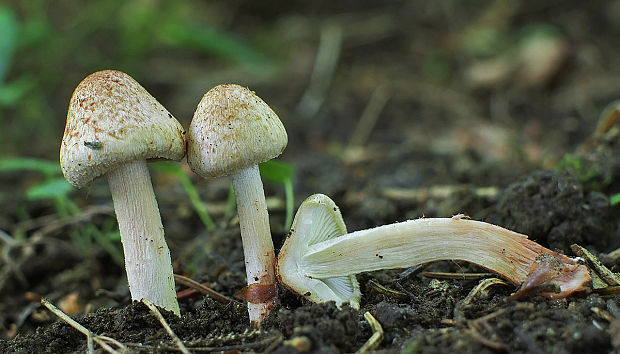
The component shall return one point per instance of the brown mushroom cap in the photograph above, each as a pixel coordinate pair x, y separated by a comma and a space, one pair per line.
233, 129
113, 120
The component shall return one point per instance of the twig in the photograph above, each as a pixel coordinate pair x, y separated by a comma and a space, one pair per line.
436, 192
202, 289
386, 291
410, 271
82, 217
47, 225
103, 341
377, 335
491, 315
462, 276
11, 266
475, 335
479, 290
268, 342
4, 236
164, 324
609, 277
608, 118
603, 314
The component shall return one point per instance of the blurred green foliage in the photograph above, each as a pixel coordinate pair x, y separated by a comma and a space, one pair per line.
46, 48
589, 173
47, 168
180, 173
614, 199
8, 39
10, 92
281, 173
272, 171
53, 187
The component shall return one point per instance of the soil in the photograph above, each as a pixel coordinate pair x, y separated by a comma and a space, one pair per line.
525, 155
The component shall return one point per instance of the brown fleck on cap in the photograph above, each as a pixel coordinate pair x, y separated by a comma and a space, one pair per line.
232, 129
113, 120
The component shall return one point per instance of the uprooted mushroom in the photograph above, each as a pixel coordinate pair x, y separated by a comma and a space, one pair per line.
319, 259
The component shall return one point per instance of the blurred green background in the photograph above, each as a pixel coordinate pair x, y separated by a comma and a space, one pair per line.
176, 49
504, 62
515, 82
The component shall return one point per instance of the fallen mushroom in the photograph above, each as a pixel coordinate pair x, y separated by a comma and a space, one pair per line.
113, 126
319, 259
232, 131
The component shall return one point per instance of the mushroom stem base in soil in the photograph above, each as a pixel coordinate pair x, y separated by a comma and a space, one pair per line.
147, 258
232, 131
309, 258
258, 250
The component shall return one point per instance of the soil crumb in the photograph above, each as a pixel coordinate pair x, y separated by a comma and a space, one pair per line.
554, 210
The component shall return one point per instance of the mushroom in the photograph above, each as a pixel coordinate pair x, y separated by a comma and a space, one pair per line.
113, 126
232, 131
319, 259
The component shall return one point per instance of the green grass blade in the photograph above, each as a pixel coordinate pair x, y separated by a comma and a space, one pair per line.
210, 41
51, 189
281, 173
197, 203
290, 201
614, 199
48, 168
200, 207
276, 171
9, 29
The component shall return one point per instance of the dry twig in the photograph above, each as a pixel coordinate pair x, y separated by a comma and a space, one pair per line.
377, 335
202, 289
103, 341
164, 324
479, 291
461, 276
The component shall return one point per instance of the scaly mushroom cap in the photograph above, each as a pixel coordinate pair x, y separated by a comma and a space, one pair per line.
113, 120
232, 129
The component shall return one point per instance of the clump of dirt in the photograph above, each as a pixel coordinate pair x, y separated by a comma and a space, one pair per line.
327, 327
553, 209
208, 324
537, 326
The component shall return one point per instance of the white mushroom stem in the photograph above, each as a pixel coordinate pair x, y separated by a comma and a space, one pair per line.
256, 238
412, 242
147, 258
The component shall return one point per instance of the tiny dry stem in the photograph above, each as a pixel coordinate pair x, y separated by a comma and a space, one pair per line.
377, 335
202, 289
90, 337
164, 324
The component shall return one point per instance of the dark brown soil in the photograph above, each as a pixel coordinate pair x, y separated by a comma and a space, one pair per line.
521, 154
